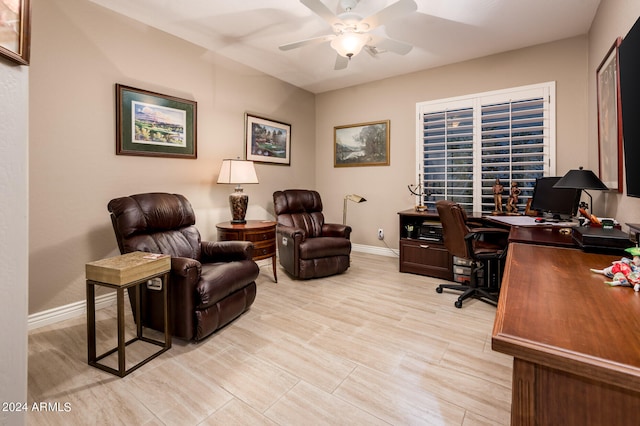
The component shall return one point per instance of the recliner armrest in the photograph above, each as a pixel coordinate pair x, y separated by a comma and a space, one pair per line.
226, 251
185, 267
336, 230
291, 232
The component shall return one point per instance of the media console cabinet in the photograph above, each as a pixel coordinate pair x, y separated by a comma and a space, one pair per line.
422, 249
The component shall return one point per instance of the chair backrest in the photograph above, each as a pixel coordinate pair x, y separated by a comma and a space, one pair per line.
454, 227
299, 208
155, 223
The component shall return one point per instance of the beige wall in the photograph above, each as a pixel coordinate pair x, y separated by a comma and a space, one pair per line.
614, 19
385, 188
14, 96
79, 51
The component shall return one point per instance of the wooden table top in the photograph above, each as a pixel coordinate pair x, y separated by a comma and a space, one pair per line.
251, 224
127, 268
545, 235
554, 311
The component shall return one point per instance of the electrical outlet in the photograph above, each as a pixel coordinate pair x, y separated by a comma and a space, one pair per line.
380, 234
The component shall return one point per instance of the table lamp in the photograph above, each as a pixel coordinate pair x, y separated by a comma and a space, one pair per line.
581, 179
238, 172
351, 197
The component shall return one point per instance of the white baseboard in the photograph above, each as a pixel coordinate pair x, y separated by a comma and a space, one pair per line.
381, 251
78, 309
72, 310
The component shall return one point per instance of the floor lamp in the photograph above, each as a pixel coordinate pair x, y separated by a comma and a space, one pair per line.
351, 197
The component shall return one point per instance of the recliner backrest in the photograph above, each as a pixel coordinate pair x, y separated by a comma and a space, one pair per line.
157, 223
454, 227
299, 208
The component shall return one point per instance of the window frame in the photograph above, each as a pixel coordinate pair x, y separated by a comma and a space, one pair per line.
546, 91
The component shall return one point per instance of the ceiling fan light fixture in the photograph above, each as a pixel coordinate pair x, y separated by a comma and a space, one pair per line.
349, 44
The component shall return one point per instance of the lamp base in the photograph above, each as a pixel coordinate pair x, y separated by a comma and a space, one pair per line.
238, 202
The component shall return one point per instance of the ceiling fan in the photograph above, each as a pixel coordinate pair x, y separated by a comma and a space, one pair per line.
351, 31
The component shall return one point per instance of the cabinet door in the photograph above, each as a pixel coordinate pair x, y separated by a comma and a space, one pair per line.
426, 258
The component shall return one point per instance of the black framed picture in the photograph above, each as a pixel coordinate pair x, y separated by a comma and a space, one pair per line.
155, 125
267, 141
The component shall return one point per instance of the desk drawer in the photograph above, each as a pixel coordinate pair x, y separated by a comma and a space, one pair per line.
425, 258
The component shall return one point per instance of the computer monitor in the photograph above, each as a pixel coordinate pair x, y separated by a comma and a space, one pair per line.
557, 203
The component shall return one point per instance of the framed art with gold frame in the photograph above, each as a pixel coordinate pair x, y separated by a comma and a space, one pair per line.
363, 144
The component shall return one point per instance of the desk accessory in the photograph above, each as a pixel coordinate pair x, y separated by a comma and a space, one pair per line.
582, 179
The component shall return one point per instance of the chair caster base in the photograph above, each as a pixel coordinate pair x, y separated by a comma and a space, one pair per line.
458, 304
438, 289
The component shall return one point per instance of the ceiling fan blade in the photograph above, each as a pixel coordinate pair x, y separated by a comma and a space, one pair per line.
389, 13
341, 62
307, 42
394, 46
319, 8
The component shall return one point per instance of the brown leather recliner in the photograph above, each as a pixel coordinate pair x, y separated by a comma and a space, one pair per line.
211, 283
307, 246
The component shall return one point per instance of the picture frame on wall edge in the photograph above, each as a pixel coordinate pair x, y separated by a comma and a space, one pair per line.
15, 30
610, 119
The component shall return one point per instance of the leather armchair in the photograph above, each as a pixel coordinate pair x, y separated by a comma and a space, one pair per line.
307, 246
211, 283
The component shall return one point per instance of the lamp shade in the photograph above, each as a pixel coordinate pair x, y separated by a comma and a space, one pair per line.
580, 179
238, 172
349, 43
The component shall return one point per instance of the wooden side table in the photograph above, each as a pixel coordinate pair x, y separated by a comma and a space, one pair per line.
120, 273
262, 233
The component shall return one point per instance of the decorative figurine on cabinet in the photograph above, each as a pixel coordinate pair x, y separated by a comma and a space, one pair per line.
512, 203
497, 196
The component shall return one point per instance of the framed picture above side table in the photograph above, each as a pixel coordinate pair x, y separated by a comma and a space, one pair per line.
154, 125
364, 144
267, 141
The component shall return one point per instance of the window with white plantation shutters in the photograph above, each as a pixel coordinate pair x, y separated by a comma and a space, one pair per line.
466, 143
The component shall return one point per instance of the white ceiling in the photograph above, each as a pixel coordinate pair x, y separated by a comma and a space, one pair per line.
441, 31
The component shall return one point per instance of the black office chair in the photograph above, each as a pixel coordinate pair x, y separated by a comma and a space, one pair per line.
482, 246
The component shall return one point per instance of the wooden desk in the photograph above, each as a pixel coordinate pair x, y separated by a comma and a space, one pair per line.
543, 235
575, 340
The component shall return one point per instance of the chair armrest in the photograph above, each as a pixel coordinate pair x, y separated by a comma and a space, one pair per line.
494, 236
185, 267
483, 230
475, 223
291, 232
226, 251
336, 230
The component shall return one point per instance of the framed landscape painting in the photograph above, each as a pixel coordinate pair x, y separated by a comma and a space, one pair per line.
364, 144
155, 125
267, 141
